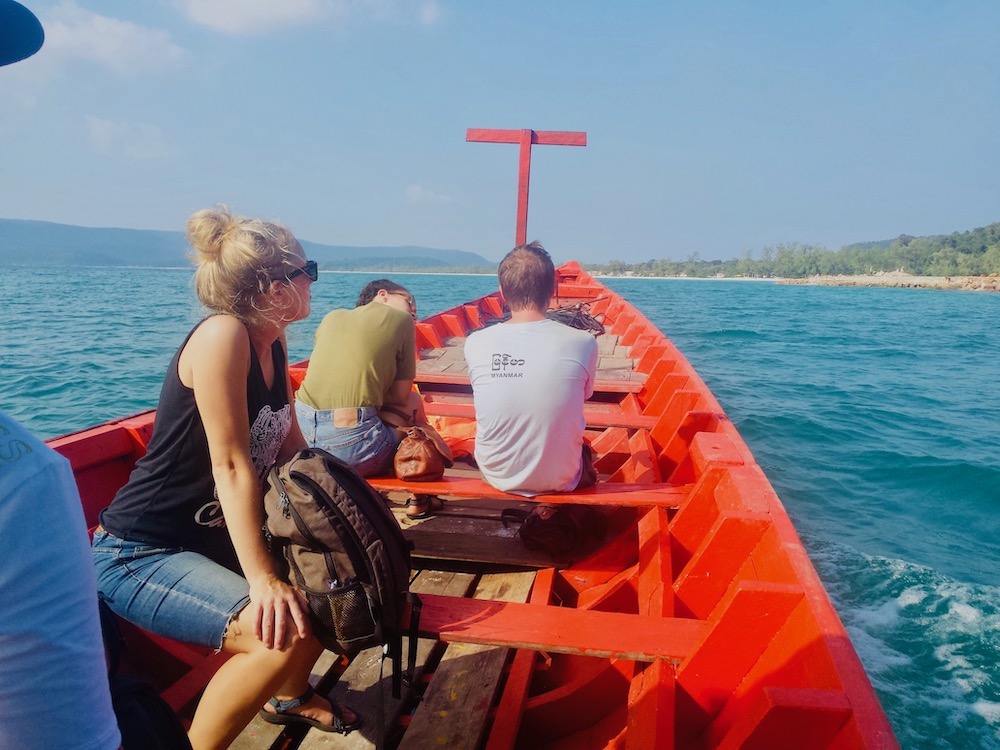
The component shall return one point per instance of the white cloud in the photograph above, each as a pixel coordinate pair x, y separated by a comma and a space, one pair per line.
418, 194
72, 33
249, 17
239, 17
133, 141
426, 11
430, 12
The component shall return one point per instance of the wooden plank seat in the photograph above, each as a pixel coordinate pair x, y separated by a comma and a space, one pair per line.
633, 383
603, 493
595, 416
561, 630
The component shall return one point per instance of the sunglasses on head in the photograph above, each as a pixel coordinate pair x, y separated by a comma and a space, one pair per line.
408, 297
310, 269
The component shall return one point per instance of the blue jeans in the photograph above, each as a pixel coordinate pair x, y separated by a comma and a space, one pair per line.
167, 590
368, 446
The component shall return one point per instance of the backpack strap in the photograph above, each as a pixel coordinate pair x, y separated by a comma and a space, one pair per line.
411, 662
514, 515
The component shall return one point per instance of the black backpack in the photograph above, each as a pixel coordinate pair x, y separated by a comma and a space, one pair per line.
344, 550
145, 720
557, 529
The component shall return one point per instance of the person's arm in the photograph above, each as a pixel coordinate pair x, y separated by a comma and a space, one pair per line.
591, 369
217, 361
398, 393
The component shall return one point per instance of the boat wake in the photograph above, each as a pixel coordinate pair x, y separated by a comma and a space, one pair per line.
930, 644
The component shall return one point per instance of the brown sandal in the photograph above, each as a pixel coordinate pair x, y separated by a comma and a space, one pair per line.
281, 715
423, 506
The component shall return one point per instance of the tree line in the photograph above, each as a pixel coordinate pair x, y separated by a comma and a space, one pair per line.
972, 253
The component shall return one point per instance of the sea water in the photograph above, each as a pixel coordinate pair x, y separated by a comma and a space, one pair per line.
874, 412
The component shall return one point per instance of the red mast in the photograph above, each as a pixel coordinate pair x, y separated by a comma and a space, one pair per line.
526, 138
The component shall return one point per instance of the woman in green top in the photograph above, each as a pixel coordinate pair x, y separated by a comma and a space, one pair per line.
363, 361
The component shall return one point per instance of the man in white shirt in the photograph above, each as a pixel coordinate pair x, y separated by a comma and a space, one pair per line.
530, 378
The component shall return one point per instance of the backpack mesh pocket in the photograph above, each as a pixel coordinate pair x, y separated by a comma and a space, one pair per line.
344, 617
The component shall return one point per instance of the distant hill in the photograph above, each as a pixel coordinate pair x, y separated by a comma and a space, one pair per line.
414, 257
50, 244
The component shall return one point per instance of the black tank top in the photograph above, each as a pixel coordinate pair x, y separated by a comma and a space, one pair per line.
170, 499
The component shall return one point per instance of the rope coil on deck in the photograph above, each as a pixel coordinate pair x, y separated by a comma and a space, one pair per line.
575, 315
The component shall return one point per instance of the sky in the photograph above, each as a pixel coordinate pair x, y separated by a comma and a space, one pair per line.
714, 128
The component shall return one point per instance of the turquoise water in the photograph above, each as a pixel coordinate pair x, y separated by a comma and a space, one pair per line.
874, 412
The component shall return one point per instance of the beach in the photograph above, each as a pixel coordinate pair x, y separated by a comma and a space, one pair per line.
989, 283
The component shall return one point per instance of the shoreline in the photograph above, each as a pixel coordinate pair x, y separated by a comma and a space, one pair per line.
771, 279
884, 279
903, 280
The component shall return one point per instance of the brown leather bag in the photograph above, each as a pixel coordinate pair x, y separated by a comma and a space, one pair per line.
421, 458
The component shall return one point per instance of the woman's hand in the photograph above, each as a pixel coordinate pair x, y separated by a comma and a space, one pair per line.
280, 612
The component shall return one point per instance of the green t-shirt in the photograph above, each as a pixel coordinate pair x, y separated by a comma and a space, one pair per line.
357, 356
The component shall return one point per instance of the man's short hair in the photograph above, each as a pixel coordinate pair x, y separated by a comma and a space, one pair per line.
372, 288
527, 277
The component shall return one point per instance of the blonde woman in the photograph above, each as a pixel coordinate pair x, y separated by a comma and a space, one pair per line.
180, 550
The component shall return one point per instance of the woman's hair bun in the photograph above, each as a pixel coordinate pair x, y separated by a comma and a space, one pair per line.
207, 231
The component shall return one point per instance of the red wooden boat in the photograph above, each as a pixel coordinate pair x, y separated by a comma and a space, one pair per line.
698, 622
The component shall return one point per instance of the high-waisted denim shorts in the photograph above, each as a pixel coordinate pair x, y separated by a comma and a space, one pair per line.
368, 447
167, 590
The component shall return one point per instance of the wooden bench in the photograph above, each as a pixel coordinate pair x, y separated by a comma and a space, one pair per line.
595, 417
603, 493
561, 630
619, 384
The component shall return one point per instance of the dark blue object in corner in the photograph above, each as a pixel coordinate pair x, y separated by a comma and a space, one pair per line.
21, 33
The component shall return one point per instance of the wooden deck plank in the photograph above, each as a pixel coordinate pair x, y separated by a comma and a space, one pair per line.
614, 362
360, 685
510, 707
606, 343
455, 710
432, 364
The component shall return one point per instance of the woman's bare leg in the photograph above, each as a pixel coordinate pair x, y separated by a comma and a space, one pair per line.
248, 679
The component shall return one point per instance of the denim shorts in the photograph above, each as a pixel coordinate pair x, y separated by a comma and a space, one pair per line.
168, 591
367, 447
